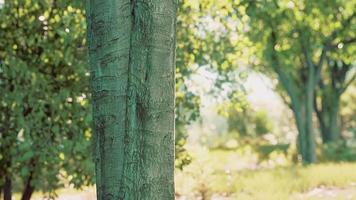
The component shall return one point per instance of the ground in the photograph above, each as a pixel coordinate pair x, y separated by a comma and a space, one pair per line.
231, 175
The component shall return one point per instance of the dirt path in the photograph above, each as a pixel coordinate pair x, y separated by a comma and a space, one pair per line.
329, 193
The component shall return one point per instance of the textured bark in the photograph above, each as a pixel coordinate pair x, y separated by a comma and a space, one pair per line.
132, 58
8, 189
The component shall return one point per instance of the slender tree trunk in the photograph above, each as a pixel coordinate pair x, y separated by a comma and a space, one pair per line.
306, 142
334, 130
328, 110
132, 58
28, 189
328, 117
298, 116
7, 188
309, 110
303, 109
329, 127
323, 130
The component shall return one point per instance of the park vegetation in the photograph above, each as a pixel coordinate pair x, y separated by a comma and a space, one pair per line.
49, 80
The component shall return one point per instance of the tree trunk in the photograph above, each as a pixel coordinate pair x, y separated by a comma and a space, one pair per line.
7, 189
329, 127
302, 101
28, 189
328, 117
328, 110
301, 141
306, 141
132, 58
309, 110
303, 108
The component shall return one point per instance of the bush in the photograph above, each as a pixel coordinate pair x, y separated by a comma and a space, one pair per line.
339, 151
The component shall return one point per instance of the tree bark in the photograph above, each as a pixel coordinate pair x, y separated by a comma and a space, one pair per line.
132, 59
7, 188
28, 189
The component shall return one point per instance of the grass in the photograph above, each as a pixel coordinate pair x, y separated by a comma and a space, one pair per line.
287, 182
237, 174
215, 173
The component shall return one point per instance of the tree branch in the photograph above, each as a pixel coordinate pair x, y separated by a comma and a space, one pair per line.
305, 49
344, 42
287, 81
319, 66
349, 82
349, 41
285, 101
317, 110
327, 46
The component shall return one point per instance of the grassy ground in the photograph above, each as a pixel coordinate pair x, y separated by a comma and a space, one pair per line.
231, 175
220, 175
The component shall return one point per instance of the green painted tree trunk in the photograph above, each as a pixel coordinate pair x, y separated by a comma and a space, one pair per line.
132, 58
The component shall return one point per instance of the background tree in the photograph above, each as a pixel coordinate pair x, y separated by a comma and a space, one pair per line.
327, 101
298, 38
44, 125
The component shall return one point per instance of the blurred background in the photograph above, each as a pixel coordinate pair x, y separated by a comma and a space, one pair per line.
265, 100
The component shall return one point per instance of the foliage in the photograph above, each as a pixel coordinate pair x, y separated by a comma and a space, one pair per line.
324, 23
339, 151
45, 126
243, 119
262, 123
309, 47
203, 39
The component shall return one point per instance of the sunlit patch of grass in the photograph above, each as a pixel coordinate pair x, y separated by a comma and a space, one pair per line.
231, 175
288, 181
216, 173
